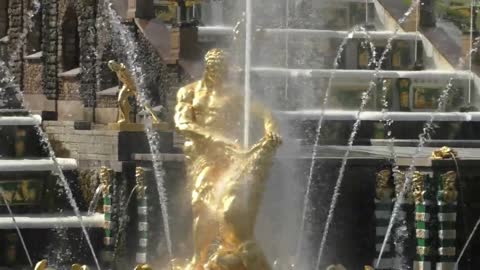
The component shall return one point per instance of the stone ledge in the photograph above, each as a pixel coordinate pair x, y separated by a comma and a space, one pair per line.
163, 157
4, 40
73, 73
35, 56
113, 91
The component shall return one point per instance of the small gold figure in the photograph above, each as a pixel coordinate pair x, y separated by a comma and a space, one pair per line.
418, 187
449, 192
444, 153
228, 180
105, 179
383, 189
140, 179
128, 90
399, 182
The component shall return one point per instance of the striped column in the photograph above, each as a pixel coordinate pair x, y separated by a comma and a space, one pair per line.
142, 210
423, 215
105, 179
404, 229
447, 218
383, 213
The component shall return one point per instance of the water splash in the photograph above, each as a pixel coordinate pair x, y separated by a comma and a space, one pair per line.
328, 90
9, 79
128, 42
336, 63
16, 227
427, 129
365, 98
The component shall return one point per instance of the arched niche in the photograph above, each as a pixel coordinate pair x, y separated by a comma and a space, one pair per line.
70, 40
34, 37
3, 17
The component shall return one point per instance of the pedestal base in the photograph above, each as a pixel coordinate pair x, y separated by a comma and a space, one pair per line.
137, 127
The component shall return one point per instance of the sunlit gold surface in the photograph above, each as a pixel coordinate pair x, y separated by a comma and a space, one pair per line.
449, 191
444, 153
105, 179
140, 179
418, 187
128, 90
384, 188
228, 181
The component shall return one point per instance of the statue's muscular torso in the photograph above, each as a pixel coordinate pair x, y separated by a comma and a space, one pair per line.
201, 112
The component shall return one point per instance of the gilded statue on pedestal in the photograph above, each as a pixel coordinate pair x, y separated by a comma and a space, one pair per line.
127, 92
228, 180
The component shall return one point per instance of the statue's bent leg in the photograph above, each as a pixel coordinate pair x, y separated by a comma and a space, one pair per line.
205, 223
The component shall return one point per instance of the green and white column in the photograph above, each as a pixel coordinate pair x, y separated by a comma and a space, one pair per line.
383, 213
404, 228
142, 211
447, 219
105, 178
424, 207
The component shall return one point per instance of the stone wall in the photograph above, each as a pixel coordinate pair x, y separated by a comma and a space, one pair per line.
92, 148
3, 18
15, 30
32, 81
50, 48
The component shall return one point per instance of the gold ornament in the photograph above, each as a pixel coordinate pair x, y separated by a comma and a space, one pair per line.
383, 189
444, 153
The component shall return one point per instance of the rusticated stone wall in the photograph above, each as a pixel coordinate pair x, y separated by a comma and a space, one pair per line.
15, 30
50, 48
32, 81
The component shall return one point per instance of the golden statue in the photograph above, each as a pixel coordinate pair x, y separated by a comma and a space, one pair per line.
418, 187
444, 153
449, 191
128, 91
383, 188
228, 180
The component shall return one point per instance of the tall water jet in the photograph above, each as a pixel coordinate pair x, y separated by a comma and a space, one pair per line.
9, 79
19, 233
137, 75
365, 98
427, 129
